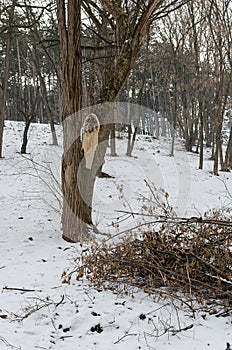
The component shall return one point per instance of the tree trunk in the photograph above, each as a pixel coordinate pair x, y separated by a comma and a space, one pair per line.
25, 138
129, 132
113, 141
172, 139
45, 97
199, 82
132, 142
3, 96
174, 120
201, 134
217, 151
76, 211
213, 147
228, 157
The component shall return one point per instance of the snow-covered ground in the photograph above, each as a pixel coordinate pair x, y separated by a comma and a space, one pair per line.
37, 310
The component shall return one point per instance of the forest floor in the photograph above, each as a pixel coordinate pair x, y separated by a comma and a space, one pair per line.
37, 310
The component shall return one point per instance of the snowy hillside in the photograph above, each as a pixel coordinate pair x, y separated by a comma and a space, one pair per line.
37, 310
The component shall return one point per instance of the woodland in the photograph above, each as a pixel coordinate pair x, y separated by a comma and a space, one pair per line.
170, 63
179, 66
173, 57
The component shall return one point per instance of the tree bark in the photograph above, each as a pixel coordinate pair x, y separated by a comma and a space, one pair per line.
199, 84
113, 141
25, 138
228, 157
76, 212
3, 97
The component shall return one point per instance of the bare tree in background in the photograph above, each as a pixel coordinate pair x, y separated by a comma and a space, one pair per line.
4, 85
197, 32
220, 29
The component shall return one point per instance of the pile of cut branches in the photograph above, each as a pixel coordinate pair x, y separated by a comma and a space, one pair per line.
187, 258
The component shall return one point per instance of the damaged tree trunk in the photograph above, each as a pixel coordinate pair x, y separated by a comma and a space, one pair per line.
75, 212
77, 181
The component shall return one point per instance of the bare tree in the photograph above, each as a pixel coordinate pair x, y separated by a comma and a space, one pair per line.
219, 24
129, 21
4, 87
197, 31
69, 19
228, 156
44, 94
35, 40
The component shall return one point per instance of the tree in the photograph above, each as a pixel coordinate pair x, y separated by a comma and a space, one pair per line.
19, 24
128, 23
29, 113
197, 31
228, 155
35, 37
44, 94
4, 87
220, 29
69, 20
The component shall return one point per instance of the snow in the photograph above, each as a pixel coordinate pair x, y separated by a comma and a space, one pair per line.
34, 256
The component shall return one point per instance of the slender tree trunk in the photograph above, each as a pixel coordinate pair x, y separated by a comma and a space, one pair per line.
172, 139
129, 119
133, 141
222, 93
217, 151
45, 97
201, 135
200, 92
228, 156
113, 141
3, 97
213, 147
174, 122
20, 108
129, 133
25, 133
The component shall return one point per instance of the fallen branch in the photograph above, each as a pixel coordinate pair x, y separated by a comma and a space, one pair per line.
175, 331
66, 336
38, 304
124, 336
179, 220
61, 301
21, 289
8, 344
